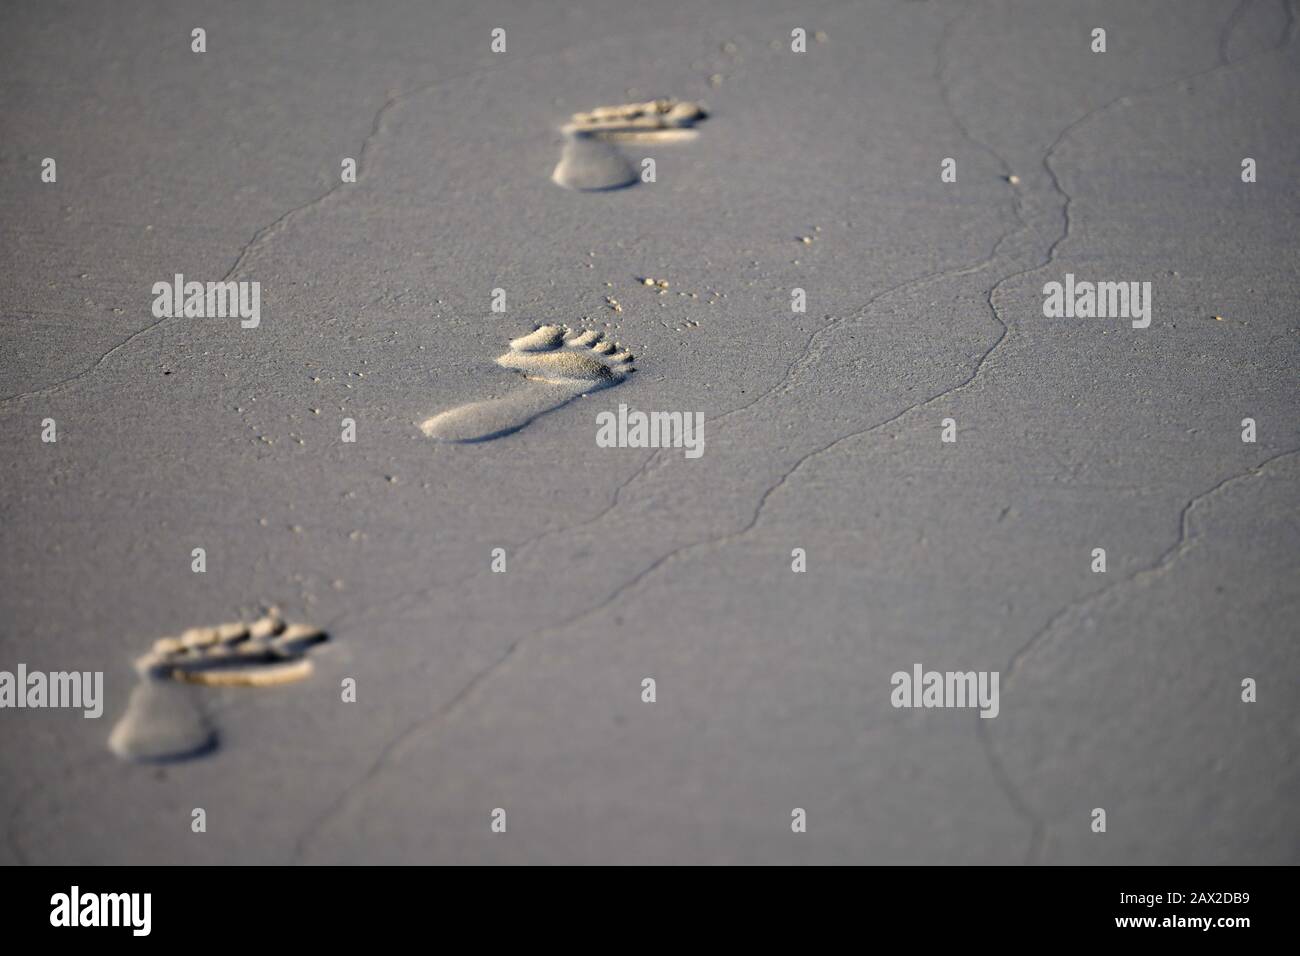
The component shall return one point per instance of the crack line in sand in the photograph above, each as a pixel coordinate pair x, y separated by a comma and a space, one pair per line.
1184, 543
376, 127
395, 745
1151, 91
1225, 35
1019, 806
719, 541
722, 540
486, 673
945, 92
59, 385
1166, 558
401, 600
264, 232
806, 357
1000, 775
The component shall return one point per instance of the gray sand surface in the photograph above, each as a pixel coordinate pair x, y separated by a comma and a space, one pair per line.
478, 690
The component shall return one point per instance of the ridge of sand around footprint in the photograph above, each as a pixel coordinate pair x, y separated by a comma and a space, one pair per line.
164, 722
589, 160
560, 364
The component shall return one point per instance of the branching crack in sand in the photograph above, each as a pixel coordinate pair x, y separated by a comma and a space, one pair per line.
809, 355
416, 730
805, 359
1000, 775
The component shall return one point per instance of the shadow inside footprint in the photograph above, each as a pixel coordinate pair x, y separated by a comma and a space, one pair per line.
588, 164
162, 722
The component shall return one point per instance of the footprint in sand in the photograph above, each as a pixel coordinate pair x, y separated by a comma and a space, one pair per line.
560, 364
590, 160
163, 721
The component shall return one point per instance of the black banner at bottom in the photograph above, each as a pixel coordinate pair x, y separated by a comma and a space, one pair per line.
337, 905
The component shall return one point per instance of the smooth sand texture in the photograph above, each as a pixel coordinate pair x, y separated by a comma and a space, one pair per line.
522, 689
